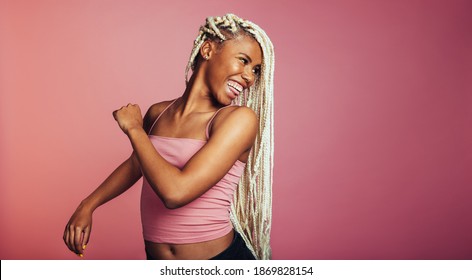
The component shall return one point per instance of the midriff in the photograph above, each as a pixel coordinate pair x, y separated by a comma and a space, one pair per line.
193, 251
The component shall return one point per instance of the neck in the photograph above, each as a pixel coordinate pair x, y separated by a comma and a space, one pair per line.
197, 97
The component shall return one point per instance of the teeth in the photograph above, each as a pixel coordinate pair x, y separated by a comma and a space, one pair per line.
235, 85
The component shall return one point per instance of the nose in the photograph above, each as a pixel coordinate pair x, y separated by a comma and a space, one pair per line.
248, 76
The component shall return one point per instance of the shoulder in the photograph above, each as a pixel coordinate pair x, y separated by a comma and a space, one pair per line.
236, 111
235, 117
157, 108
153, 112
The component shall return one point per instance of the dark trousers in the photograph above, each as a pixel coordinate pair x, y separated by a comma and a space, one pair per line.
237, 250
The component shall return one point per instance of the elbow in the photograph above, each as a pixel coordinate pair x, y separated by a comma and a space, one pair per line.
170, 201
173, 202
174, 197
170, 204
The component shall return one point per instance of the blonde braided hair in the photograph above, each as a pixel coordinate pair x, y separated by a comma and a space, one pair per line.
251, 209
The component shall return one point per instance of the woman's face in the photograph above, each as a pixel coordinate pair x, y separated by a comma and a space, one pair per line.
233, 68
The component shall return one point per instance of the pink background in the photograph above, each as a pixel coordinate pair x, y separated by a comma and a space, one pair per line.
373, 156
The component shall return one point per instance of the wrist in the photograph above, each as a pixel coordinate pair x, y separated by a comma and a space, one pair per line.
87, 205
134, 131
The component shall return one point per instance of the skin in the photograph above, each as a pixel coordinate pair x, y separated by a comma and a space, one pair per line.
232, 135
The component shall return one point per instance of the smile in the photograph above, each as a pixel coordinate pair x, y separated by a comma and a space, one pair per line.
236, 86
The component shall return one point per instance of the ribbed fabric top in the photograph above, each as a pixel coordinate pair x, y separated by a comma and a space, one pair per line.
205, 218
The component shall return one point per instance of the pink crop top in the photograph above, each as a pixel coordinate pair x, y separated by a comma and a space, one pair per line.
205, 218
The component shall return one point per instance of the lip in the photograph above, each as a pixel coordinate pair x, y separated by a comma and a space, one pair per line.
239, 83
233, 93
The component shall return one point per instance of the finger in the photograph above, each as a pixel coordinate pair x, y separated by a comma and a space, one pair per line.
86, 236
77, 240
66, 237
71, 238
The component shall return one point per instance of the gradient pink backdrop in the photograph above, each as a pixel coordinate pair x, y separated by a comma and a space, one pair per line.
373, 156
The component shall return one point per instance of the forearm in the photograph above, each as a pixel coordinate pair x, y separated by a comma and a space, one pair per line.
163, 177
120, 180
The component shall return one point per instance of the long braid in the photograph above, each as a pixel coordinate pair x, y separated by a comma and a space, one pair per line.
251, 209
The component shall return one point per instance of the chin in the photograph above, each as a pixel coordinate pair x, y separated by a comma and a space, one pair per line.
229, 102
225, 101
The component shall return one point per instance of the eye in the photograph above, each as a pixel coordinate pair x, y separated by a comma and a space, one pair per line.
244, 61
257, 71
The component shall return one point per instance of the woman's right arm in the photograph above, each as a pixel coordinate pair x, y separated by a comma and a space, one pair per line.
77, 231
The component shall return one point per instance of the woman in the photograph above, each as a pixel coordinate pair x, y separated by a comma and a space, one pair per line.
193, 151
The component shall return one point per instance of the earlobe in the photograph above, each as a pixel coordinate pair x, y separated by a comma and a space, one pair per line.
206, 50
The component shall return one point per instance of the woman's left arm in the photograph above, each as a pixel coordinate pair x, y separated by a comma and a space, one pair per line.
233, 134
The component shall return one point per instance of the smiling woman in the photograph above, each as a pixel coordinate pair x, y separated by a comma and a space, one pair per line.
206, 157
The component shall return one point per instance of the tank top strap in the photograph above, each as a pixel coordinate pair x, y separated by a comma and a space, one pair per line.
155, 121
207, 129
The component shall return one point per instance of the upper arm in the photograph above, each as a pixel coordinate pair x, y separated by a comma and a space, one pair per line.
233, 133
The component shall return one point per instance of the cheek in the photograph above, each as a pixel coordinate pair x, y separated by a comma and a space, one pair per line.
215, 77
237, 66
212, 74
219, 71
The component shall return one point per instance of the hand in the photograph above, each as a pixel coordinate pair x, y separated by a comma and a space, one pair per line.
77, 231
129, 117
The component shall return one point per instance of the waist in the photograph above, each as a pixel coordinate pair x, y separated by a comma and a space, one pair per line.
192, 251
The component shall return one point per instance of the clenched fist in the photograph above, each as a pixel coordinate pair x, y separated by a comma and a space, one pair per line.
129, 117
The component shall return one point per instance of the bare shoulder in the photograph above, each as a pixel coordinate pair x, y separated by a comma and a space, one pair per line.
239, 111
240, 117
157, 108
153, 112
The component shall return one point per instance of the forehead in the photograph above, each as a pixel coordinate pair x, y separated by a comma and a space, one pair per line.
246, 45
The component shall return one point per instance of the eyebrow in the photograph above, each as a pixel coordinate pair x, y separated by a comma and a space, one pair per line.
247, 56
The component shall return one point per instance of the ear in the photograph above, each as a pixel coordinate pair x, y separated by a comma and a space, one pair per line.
207, 49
